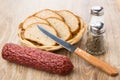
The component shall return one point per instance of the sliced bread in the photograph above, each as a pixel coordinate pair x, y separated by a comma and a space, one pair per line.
46, 13
70, 19
62, 28
34, 34
33, 19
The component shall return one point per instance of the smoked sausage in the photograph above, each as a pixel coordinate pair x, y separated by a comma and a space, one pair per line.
38, 59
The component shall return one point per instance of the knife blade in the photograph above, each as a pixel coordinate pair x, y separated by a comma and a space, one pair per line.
81, 53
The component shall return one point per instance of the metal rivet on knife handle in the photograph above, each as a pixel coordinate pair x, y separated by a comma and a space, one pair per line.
96, 62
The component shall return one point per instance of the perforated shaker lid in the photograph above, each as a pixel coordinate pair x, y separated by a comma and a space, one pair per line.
97, 10
97, 28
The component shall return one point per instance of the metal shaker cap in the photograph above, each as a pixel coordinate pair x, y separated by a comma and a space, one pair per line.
97, 28
97, 10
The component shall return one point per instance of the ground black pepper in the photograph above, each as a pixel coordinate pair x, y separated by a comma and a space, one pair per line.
95, 45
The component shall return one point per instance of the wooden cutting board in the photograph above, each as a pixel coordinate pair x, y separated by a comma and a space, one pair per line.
12, 12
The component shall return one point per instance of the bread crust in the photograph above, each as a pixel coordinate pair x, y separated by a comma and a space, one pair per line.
56, 15
35, 18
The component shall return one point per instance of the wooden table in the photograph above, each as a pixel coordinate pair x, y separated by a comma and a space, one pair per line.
12, 12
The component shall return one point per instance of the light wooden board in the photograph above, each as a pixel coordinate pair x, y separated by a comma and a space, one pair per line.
12, 12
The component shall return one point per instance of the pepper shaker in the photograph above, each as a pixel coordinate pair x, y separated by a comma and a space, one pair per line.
95, 42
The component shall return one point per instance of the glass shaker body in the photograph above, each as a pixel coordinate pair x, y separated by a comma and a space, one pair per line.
96, 15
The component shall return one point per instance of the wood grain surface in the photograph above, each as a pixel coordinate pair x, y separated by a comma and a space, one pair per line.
12, 12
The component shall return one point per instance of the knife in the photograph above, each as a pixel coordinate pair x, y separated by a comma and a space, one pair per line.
81, 53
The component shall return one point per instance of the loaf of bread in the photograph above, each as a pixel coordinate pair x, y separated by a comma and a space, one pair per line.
63, 24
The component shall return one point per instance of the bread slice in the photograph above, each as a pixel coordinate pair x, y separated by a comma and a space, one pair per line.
33, 19
46, 13
34, 34
70, 19
62, 28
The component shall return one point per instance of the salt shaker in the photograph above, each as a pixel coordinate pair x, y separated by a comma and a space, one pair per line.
96, 15
95, 42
